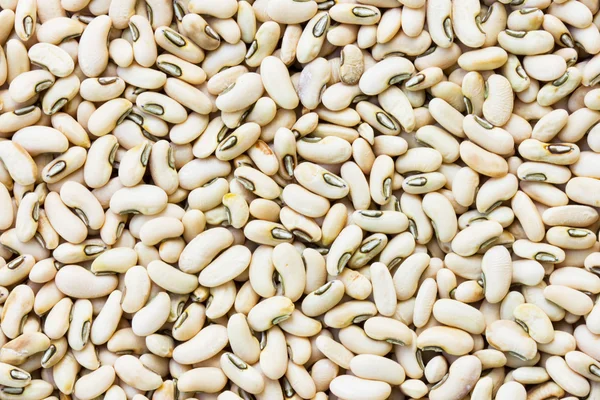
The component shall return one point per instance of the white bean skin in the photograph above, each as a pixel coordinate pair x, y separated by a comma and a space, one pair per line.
299, 199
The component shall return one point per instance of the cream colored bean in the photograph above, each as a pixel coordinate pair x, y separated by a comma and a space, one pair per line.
508, 336
395, 102
130, 369
414, 388
539, 251
65, 222
14, 120
424, 183
178, 45
484, 59
95, 383
238, 141
526, 43
225, 267
377, 117
435, 369
527, 214
401, 43
101, 89
351, 65
439, 22
576, 216
161, 106
198, 30
388, 222
121, 52
132, 166
560, 372
465, 25
105, 323
140, 199
474, 156
370, 248
528, 272
465, 185
275, 78
356, 284
334, 223
242, 374
16, 351
257, 182
419, 160
152, 316
484, 134
570, 238
385, 73
70, 277
18, 304
93, 51
534, 295
530, 375
25, 19
15, 377
26, 221
334, 351
348, 240
344, 315
320, 181
30, 139
577, 186
383, 289
26, 85
487, 232
558, 89
52, 58
197, 349
71, 129
440, 140
56, 30
267, 232
536, 322
323, 299
459, 315
80, 324
439, 209
407, 275
537, 67
108, 116
554, 153
311, 82
305, 202
354, 388
358, 15
516, 75
450, 340
447, 116
142, 77
181, 69
170, 278
208, 379
570, 299
582, 364
462, 375
440, 57
264, 43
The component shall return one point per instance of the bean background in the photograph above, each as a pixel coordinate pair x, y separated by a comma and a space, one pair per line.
299, 199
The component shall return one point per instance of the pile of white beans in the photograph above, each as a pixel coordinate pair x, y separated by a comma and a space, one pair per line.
299, 199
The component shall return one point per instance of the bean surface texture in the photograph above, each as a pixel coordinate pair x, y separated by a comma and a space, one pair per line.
299, 199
